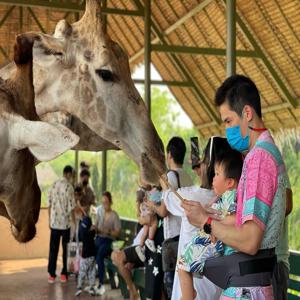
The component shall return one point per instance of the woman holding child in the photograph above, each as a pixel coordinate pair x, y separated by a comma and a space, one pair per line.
217, 147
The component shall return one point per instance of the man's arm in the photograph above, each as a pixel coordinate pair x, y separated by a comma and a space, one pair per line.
246, 238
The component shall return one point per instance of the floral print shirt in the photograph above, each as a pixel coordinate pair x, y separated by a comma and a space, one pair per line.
61, 202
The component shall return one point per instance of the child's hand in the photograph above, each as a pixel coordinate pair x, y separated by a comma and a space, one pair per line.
93, 227
149, 204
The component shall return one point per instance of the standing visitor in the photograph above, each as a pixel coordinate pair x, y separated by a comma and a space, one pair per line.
60, 205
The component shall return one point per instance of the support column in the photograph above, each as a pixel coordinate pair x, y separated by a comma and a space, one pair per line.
231, 37
76, 151
104, 152
76, 166
104, 171
147, 54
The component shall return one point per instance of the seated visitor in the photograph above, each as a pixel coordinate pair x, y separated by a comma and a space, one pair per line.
107, 227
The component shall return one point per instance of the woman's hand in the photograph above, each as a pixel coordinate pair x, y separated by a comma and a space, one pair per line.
197, 214
163, 182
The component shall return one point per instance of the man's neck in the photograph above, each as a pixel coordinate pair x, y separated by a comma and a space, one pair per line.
174, 166
254, 135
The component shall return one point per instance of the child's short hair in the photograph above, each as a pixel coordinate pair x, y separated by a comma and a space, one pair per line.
232, 163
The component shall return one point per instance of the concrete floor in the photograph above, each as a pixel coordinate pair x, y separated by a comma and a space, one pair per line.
27, 280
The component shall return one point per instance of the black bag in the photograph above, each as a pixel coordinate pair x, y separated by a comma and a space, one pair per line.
169, 254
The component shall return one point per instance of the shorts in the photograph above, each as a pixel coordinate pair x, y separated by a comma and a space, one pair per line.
132, 257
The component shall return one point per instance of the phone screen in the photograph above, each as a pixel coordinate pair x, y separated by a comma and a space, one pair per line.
195, 158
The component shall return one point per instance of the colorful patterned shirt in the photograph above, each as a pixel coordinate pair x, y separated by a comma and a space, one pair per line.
261, 198
61, 202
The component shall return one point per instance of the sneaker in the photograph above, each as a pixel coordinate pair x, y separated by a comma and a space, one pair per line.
100, 290
63, 278
150, 245
87, 288
78, 292
51, 279
140, 251
92, 291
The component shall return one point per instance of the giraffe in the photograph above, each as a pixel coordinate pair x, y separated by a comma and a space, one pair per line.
24, 140
80, 71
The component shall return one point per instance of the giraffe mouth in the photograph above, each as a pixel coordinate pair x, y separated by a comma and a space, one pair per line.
23, 231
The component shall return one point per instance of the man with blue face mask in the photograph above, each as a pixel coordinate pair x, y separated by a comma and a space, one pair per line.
254, 230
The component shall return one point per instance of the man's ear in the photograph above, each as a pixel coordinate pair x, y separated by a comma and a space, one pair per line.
248, 112
44, 140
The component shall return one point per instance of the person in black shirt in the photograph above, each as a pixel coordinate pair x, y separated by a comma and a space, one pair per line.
88, 261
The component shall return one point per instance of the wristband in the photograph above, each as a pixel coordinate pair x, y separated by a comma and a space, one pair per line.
207, 226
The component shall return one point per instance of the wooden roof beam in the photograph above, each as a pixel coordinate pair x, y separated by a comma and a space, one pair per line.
200, 51
171, 28
266, 61
165, 82
70, 6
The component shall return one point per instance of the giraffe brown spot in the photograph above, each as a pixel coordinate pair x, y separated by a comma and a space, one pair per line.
76, 92
86, 94
75, 34
94, 87
87, 76
92, 113
83, 42
88, 55
73, 76
65, 78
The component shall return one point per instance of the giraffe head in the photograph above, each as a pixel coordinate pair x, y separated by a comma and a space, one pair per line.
24, 138
81, 71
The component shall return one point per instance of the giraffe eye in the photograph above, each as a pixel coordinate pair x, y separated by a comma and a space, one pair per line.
106, 75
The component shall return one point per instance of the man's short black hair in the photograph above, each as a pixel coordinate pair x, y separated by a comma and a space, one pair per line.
177, 148
85, 172
68, 170
232, 163
238, 91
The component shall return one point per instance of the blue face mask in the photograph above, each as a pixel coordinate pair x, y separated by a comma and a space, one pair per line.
236, 140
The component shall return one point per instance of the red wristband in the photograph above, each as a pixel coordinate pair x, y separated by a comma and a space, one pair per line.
209, 220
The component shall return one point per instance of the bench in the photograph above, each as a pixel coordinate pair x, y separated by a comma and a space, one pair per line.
294, 282
128, 232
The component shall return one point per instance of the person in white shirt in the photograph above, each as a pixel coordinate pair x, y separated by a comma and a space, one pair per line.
60, 205
205, 289
177, 178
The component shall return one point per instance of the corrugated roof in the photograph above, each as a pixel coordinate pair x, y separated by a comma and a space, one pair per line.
268, 33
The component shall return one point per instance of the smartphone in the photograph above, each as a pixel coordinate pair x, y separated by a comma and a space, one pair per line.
195, 157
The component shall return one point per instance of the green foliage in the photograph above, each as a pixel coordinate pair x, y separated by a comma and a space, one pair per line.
96, 180
289, 144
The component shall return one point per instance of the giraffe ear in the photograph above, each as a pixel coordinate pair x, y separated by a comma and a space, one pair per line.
44, 140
